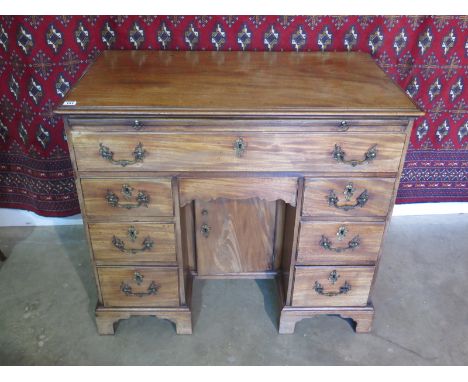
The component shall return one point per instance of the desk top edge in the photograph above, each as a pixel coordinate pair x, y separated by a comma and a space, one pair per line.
281, 83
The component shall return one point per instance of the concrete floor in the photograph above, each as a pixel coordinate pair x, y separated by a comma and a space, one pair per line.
421, 298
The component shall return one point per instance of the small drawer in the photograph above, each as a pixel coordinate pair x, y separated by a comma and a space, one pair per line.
348, 197
332, 286
131, 199
136, 287
133, 243
347, 243
243, 151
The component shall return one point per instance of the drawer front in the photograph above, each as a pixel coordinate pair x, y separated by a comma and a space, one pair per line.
134, 287
239, 188
332, 286
238, 152
347, 243
348, 197
133, 242
144, 124
131, 199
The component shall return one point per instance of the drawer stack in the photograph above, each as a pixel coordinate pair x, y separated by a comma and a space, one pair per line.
131, 223
342, 225
131, 229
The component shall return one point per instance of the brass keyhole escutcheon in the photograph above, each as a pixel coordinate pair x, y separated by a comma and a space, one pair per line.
137, 125
341, 233
349, 191
132, 233
333, 277
127, 191
240, 146
205, 230
138, 277
343, 126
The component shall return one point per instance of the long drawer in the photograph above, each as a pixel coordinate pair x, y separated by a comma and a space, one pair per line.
132, 199
346, 243
348, 197
243, 151
332, 286
133, 287
133, 243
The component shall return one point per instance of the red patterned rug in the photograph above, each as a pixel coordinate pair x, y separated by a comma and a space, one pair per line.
41, 57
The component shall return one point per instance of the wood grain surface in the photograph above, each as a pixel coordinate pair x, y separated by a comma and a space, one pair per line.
162, 235
263, 152
111, 279
310, 252
241, 236
96, 205
359, 278
229, 83
380, 192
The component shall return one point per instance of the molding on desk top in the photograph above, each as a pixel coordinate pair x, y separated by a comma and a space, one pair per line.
20, 218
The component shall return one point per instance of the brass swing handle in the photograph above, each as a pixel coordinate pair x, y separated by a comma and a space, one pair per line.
339, 155
126, 289
343, 289
142, 199
361, 200
326, 243
138, 155
120, 245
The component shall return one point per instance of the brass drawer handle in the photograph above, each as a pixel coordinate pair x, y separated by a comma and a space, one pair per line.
120, 245
240, 146
205, 230
326, 243
361, 200
138, 155
343, 289
339, 155
126, 289
333, 277
138, 277
142, 198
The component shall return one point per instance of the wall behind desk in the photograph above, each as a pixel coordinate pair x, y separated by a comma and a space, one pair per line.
41, 57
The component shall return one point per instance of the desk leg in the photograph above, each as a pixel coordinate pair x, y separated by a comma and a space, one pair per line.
363, 317
107, 318
287, 323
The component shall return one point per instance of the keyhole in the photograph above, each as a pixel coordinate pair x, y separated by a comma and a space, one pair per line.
334, 276
205, 230
138, 278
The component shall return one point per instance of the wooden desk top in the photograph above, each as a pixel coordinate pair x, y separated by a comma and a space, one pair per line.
169, 83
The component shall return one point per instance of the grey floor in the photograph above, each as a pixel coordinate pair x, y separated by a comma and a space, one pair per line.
421, 299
